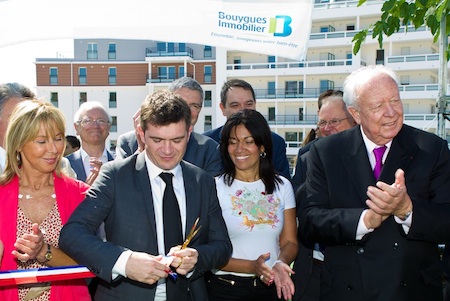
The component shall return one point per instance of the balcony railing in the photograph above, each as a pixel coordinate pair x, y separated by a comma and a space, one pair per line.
311, 120
338, 4
175, 51
166, 78
413, 58
283, 93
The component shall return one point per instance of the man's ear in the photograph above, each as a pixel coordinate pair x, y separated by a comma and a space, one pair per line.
222, 107
355, 114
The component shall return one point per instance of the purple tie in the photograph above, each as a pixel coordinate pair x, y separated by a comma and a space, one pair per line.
378, 152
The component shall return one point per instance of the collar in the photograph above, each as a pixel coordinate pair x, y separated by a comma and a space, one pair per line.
154, 171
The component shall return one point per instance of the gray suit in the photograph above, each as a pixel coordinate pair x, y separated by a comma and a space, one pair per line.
122, 198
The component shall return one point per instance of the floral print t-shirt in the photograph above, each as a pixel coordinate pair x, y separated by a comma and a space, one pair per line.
254, 219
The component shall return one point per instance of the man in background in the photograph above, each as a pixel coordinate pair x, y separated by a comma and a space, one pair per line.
333, 118
92, 123
72, 145
10, 95
236, 95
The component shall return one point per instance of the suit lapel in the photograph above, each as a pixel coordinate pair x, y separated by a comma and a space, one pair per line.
357, 162
400, 156
144, 182
192, 197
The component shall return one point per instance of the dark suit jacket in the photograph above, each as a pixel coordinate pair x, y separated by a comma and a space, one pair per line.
201, 151
300, 166
279, 158
122, 198
76, 162
387, 264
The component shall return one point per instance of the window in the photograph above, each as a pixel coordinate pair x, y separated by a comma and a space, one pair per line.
380, 57
208, 98
326, 85
112, 72
271, 113
92, 52
170, 47
271, 59
207, 71
111, 51
292, 139
112, 145
54, 99
208, 123
300, 114
53, 76
82, 72
237, 63
349, 57
207, 51
293, 89
161, 47
83, 97
181, 71
404, 80
166, 72
112, 99
350, 27
182, 47
113, 124
271, 89
328, 28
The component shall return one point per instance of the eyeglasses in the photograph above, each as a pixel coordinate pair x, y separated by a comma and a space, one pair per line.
87, 122
331, 122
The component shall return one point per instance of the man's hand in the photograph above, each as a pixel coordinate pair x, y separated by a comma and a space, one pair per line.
29, 245
184, 260
145, 268
1, 251
96, 164
386, 200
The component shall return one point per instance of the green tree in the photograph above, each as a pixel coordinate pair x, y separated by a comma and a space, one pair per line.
397, 13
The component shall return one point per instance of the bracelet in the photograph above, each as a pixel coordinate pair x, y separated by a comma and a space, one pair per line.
277, 261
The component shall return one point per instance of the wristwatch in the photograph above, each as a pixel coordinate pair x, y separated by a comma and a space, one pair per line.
48, 256
407, 214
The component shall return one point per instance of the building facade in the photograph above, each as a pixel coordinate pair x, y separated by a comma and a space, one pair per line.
120, 73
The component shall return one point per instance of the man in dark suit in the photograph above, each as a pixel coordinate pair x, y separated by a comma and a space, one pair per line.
381, 230
201, 150
92, 123
128, 197
237, 95
333, 118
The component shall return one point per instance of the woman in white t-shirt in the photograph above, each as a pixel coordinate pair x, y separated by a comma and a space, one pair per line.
258, 206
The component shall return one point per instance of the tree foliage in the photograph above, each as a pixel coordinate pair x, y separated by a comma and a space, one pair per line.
397, 13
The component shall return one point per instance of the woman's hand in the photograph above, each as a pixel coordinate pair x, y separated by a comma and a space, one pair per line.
285, 285
261, 269
29, 245
1, 251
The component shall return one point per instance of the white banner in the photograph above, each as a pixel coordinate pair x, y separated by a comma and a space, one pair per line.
278, 28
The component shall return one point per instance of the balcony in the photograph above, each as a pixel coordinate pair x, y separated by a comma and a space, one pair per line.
165, 78
288, 94
173, 51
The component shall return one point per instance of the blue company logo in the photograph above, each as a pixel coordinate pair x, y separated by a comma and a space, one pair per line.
285, 22
279, 26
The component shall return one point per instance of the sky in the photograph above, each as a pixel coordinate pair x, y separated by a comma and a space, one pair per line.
17, 61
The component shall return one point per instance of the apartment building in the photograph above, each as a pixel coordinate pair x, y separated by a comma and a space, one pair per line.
120, 73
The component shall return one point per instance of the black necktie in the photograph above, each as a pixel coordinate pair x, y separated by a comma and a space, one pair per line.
175, 290
171, 215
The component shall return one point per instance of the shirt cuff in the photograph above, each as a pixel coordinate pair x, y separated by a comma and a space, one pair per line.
119, 267
362, 229
406, 224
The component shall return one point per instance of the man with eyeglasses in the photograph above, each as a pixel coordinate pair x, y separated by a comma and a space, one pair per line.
201, 150
92, 124
333, 118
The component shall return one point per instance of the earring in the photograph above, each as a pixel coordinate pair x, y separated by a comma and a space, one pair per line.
18, 157
263, 155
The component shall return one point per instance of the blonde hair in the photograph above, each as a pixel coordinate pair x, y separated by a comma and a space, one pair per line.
24, 125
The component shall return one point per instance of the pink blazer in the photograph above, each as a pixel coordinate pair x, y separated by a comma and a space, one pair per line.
69, 193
